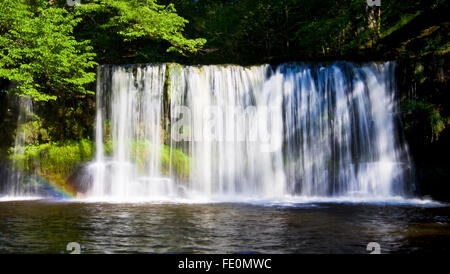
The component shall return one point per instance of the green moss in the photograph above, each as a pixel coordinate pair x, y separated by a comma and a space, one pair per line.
172, 160
34, 132
176, 160
419, 73
404, 20
436, 121
54, 160
174, 69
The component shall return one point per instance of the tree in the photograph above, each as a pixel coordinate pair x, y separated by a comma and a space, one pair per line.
48, 49
121, 30
38, 52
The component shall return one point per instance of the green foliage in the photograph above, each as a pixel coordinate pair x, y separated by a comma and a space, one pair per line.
124, 29
257, 31
171, 159
68, 118
34, 132
176, 160
49, 50
137, 18
39, 53
54, 160
404, 19
432, 113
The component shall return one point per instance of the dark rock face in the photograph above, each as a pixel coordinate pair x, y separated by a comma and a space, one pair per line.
81, 179
423, 86
3, 177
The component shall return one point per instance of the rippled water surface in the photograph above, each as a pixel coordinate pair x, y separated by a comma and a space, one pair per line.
41, 226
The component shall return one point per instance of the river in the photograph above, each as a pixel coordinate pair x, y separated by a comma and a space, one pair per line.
47, 226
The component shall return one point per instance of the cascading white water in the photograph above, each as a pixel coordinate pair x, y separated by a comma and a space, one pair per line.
134, 130
20, 184
259, 132
20, 178
340, 134
229, 111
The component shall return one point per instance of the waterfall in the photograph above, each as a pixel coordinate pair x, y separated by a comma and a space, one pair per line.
20, 178
134, 132
18, 182
312, 130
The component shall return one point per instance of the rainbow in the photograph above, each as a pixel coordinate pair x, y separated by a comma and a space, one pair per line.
45, 188
57, 191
